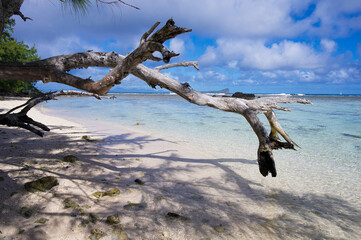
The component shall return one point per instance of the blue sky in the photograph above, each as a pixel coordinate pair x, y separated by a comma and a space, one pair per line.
259, 46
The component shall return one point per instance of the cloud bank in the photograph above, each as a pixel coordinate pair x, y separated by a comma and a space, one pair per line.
237, 42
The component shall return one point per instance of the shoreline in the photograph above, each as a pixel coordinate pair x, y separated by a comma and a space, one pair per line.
185, 195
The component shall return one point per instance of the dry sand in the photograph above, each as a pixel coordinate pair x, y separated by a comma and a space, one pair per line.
185, 195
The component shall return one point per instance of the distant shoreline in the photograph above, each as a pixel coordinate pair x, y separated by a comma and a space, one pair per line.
229, 94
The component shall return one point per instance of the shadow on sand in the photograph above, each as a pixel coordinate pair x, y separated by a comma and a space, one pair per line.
209, 199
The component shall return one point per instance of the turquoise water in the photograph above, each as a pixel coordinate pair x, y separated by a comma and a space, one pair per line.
328, 131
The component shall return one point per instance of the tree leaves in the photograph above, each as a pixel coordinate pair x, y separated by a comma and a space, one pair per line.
12, 50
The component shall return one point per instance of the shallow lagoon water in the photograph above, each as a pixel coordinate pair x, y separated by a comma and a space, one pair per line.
328, 132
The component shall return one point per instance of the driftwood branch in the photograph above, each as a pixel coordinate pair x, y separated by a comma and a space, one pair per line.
55, 69
180, 64
21, 120
22, 16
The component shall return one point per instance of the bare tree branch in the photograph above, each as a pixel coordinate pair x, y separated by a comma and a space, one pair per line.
55, 70
52, 69
21, 119
22, 16
146, 34
180, 64
8, 8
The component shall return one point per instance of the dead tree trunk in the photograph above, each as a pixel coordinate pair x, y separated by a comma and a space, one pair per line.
8, 8
55, 69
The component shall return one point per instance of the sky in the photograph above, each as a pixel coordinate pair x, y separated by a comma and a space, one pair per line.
251, 46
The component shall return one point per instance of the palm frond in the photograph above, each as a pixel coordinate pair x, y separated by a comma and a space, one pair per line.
78, 6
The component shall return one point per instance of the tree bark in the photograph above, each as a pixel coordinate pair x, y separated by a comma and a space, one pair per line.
21, 119
8, 8
55, 69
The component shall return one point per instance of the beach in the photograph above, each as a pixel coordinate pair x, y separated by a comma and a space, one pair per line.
168, 187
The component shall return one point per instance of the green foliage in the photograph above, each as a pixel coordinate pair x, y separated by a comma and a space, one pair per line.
14, 51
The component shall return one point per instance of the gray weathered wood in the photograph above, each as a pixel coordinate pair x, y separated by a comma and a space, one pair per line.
55, 69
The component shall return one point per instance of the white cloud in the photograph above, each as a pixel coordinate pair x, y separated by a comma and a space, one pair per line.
92, 72
209, 57
210, 76
338, 74
244, 30
308, 76
232, 64
328, 45
244, 81
269, 74
169, 74
64, 45
337, 17
344, 75
231, 18
255, 54
177, 45
215, 75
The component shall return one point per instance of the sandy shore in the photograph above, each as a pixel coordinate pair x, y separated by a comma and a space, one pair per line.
166, 190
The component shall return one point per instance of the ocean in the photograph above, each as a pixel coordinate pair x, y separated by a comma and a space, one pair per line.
328, 132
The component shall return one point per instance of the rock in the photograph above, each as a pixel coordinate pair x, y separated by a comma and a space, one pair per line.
138, 181
32, 162
68, 203
111, 193
248, 96
87, 138
42, 220
135, 206
26, 168
86, 206
96, 234
172, 216
83, 223
26, 212
196, 197
70, 159
219, 228
113, 219
159, 198
93, 218
119, 234
41, 185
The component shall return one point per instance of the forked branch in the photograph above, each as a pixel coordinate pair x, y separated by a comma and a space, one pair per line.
55, 70
179, 64
22, 120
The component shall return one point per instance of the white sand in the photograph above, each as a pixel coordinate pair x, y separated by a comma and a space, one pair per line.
216, 199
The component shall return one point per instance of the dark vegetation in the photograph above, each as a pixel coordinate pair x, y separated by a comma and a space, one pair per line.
12, 50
